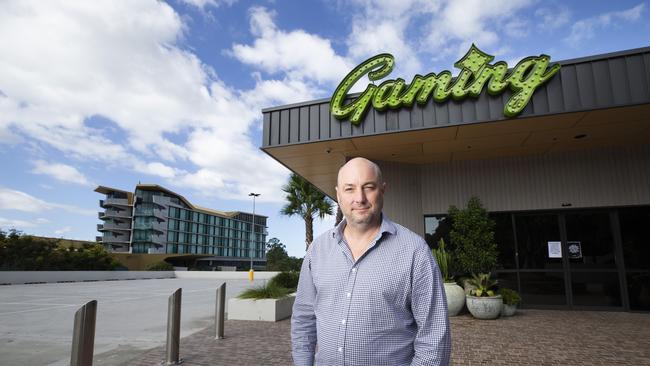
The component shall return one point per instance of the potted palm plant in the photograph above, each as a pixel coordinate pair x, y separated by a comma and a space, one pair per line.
510, 301
454, 293
482, 301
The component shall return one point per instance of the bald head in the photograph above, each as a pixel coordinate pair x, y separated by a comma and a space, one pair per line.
360, 164
360, 194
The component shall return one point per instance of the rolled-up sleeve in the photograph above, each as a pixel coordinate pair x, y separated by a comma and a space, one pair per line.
429, 305
303, 318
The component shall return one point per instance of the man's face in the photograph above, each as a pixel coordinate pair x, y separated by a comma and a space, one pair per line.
360, 194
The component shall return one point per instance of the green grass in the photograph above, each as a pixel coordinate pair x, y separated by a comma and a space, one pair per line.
268, 291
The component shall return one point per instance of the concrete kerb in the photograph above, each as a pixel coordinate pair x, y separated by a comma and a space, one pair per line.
34, 277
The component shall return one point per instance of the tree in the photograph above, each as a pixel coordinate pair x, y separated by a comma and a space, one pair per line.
472, 236
277, 258
276, 255
20, 252
304, 200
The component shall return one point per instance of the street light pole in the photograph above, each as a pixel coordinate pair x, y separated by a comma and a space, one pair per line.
252, 240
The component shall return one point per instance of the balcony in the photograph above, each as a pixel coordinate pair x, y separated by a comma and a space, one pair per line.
109, 202
121, 214
119, 237
161, 201
100, 215
99, 239
111, 226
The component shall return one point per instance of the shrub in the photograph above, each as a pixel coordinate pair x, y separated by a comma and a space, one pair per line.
267, 291
287, 280
472, 236
510, 297
159, 266
19, 252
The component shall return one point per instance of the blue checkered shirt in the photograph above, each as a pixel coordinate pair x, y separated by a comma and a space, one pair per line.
387, 308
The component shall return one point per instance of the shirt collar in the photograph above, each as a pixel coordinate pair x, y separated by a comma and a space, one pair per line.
387, 226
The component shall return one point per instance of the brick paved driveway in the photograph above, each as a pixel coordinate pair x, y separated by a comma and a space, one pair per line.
532, 337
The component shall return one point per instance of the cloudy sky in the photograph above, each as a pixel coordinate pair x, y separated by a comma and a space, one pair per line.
170, 92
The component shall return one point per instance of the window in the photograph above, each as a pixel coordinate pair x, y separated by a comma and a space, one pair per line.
437, 227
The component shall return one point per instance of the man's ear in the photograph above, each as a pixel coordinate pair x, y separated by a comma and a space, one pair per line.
383, 187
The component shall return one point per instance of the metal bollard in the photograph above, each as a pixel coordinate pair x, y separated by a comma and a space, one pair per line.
220, 309
83, 335
173, 328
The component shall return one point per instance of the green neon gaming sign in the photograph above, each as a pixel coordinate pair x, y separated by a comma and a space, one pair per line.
475, 73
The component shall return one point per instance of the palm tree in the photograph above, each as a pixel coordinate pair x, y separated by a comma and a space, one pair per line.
304, 200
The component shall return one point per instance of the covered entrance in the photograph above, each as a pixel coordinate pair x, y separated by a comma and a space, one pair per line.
567, 180
577, 259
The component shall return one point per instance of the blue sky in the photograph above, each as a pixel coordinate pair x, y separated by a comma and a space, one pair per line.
121, 92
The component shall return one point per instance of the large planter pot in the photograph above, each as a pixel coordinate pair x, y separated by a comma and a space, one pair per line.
508, 310
270, 310
484, 307
455, 298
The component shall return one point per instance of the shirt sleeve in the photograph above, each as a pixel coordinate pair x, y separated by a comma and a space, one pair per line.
303, 318
429, 305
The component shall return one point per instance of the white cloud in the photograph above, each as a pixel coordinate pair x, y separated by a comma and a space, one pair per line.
14, 224
122, 61
42, 220
298, 54
59, 171
20, 201
552, 18
158, 169
202, 4
586, 29
463, 22
115, 59
381, 26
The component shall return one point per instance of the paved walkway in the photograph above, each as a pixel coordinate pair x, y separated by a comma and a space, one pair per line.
532, 337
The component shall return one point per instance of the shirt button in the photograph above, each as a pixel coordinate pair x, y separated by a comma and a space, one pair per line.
343, 321
340, 349
349, 294
354, 269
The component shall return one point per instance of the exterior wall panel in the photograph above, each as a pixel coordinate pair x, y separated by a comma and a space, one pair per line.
402, 203
324, 117
294, 121
285, 126
275, 128
638, 85
592, 178
620, 83
604, 92
304, 123
314, 123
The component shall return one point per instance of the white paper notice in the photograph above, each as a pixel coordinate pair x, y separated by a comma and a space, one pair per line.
554, 249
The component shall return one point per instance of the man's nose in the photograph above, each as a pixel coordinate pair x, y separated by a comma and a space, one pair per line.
360, 196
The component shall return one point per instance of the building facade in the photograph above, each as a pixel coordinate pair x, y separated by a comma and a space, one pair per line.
155, 220
567, 179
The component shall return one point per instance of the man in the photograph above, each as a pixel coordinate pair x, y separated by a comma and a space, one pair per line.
370, 292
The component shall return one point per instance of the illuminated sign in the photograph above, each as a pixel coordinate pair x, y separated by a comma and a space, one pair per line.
475, 73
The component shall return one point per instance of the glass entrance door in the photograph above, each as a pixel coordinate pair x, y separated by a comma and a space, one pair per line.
589, 250
568, 259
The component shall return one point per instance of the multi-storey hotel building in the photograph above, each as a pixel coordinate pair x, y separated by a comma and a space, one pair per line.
156, 220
